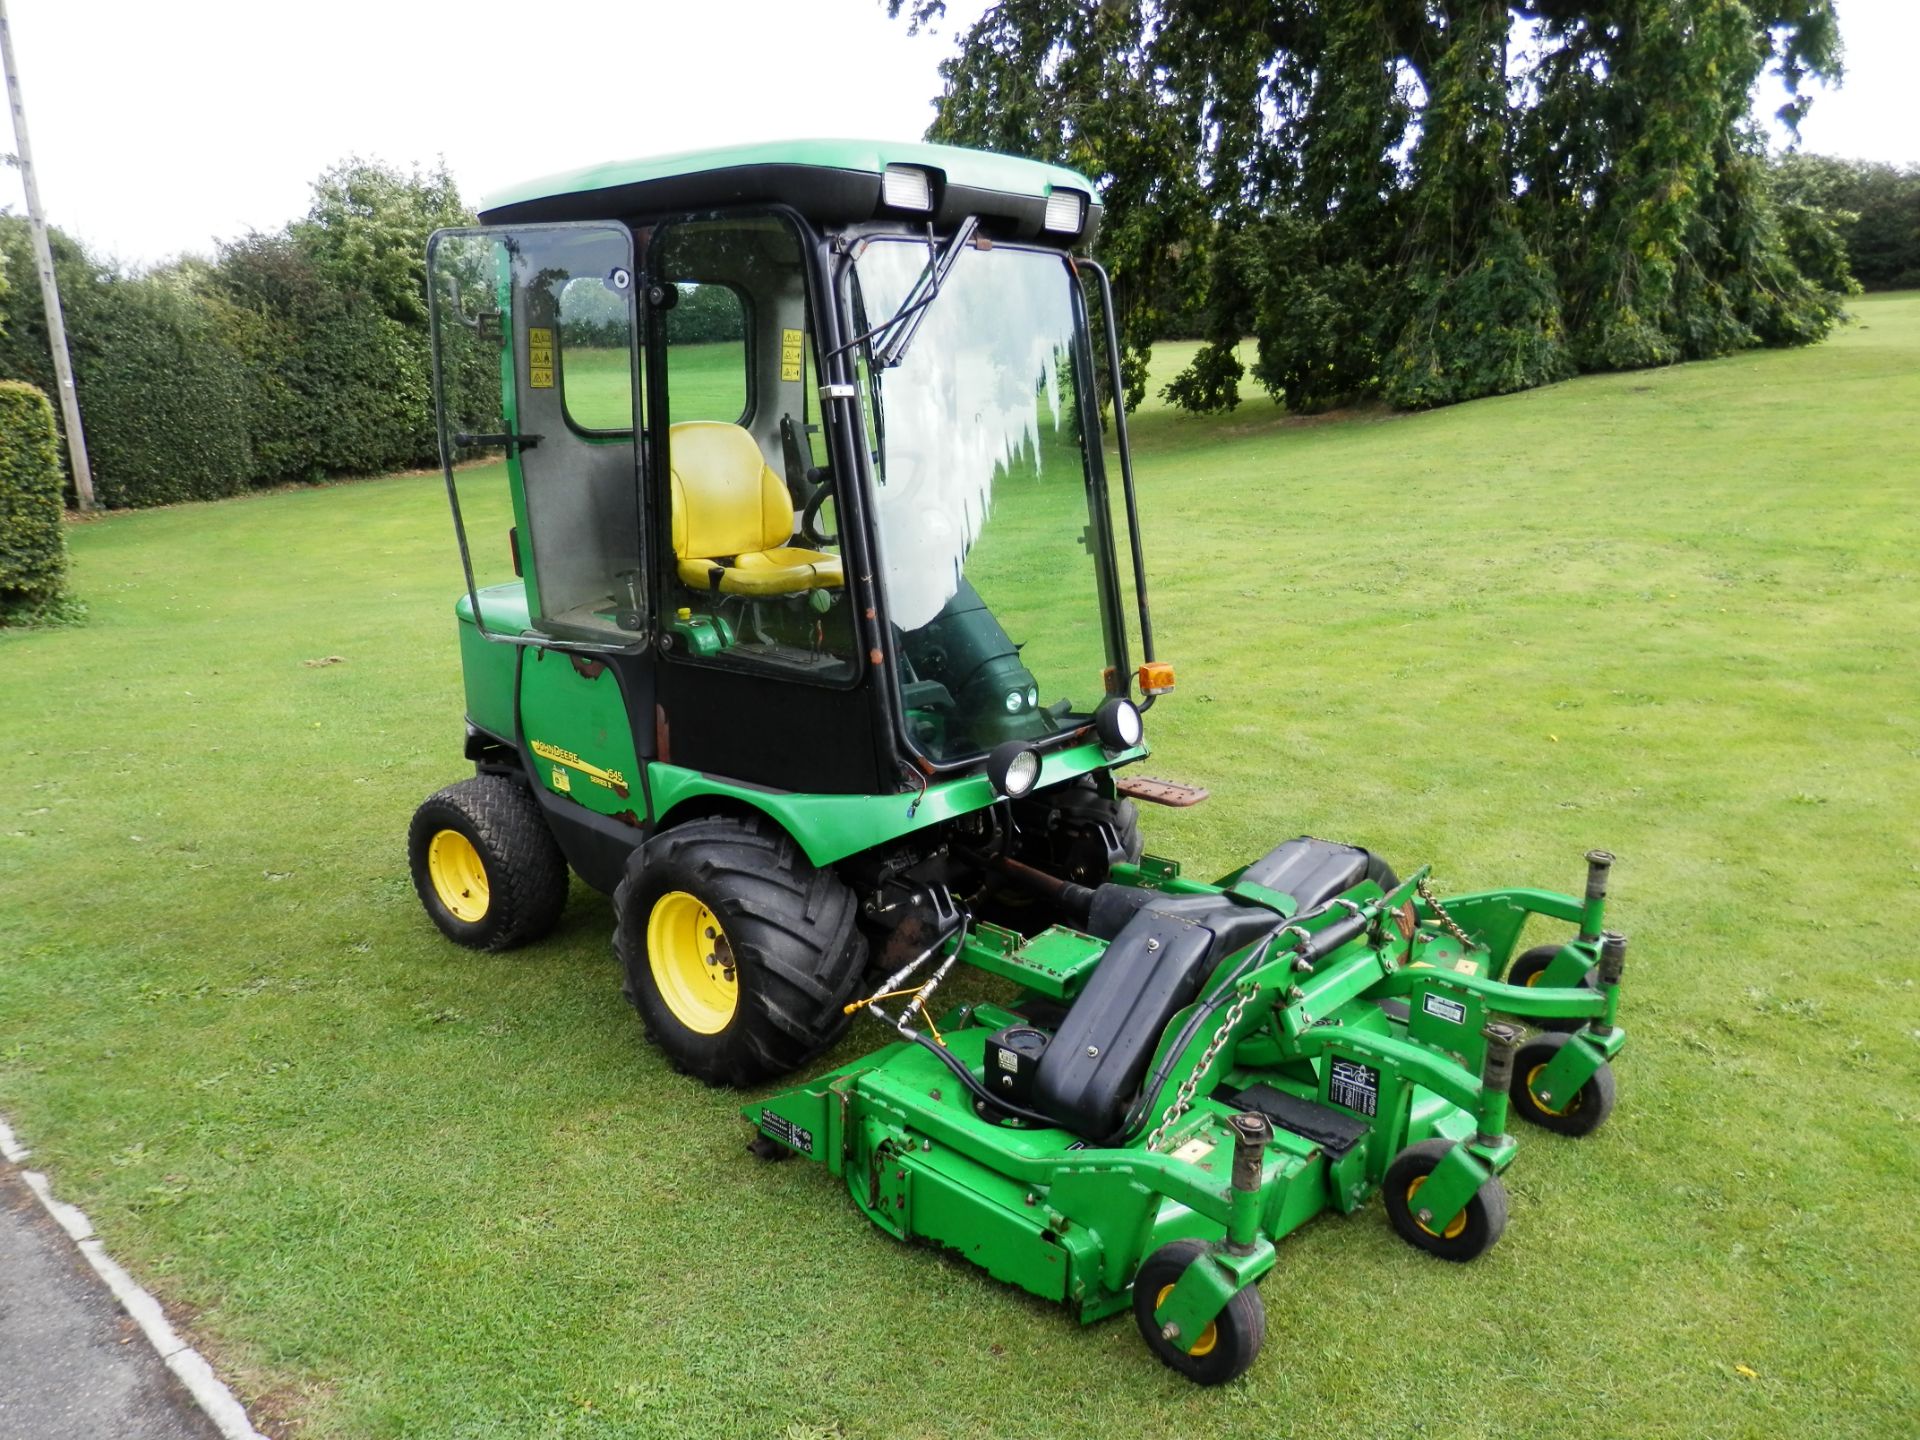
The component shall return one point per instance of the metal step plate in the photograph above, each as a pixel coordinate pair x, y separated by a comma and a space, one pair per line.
1160, 792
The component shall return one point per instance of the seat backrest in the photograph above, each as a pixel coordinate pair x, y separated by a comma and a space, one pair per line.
726, 501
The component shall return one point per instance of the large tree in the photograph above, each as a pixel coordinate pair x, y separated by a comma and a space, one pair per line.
1425, 200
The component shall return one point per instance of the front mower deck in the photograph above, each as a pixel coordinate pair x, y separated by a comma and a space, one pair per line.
1351, 1049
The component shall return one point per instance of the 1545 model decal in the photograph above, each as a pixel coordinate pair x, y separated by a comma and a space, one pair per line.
611, 779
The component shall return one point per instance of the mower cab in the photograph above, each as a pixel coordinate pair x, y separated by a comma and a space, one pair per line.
824, 637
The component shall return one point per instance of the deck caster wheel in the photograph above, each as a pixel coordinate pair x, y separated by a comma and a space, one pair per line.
765, 1147
739, 953
1470, 1234
486, 867
1228, 1346
1528, 970
1584, 1112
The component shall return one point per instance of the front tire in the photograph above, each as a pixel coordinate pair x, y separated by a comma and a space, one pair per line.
1088, 832
485, 865
739, 954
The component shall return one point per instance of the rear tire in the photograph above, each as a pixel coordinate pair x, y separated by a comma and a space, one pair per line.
739, 954
1231, 1342
485, 865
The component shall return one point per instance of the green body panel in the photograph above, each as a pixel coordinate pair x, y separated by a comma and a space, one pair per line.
574, 719
977, 169
832, 827
943, 1196
1039, 1207
487, 666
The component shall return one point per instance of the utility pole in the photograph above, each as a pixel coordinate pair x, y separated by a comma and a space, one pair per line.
49, 289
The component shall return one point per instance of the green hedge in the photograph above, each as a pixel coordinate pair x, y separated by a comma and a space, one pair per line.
294, 355
33, 546
339, 385
163, 395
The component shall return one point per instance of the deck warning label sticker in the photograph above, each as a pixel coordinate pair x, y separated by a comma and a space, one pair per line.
1353, 1085
539, 357
1442, 1008
793, 1136
791, 342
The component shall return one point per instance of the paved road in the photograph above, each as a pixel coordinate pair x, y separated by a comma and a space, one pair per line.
72, 1364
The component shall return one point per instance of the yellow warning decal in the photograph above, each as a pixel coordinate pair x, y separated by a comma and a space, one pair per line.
609, 779
539, 357
792, 346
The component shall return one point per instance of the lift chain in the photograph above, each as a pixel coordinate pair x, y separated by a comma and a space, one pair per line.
1183, 1098
1447, 922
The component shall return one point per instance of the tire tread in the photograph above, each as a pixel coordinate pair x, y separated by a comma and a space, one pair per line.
792, 923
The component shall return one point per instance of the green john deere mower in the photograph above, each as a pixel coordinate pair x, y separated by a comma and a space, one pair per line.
826, 649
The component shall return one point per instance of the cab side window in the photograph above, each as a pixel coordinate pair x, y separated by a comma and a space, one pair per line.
596, 349
753, 574
707, 353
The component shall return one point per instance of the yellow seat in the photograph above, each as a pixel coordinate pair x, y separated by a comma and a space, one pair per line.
732, 518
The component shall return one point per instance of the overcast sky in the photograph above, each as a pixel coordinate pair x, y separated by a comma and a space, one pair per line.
159, 127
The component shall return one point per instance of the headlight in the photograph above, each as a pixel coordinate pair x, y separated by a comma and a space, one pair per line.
1066, 212
903, 187
1013, 768
1016, 701
1033, 697
1117, 723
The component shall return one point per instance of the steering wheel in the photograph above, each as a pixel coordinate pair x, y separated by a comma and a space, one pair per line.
810, 517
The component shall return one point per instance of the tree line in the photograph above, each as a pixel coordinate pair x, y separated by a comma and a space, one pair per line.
1875, 208
1392, 207
1420, 201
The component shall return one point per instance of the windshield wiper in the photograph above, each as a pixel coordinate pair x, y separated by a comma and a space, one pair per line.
899, 330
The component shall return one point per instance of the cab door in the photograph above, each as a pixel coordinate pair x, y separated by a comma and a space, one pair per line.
760, 678
537, 370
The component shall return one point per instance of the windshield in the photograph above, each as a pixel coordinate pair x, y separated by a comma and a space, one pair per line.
989, 545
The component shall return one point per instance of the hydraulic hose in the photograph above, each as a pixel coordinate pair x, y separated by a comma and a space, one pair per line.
965, 1076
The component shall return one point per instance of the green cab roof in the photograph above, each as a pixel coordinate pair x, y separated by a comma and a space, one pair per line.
832, 180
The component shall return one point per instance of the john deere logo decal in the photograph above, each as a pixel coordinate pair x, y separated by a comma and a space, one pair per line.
608, 779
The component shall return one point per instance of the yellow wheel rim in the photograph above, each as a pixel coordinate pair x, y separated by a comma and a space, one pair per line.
459, 879
692, 963
1538, 1103
1534, 978
1452, 1232
1209, 1337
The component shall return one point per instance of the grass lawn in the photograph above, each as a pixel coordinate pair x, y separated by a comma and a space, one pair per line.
397, 1189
